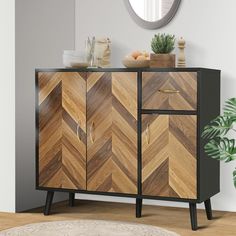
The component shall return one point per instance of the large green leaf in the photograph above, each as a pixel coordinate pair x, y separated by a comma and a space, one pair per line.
219, 126
222, 149
234, 176
230, 107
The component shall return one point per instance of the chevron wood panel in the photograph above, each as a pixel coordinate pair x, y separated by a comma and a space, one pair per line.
155, 98
62, 130
169, 164
112, 132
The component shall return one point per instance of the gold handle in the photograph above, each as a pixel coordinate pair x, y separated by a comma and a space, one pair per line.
78, 131
92, 132
168, 91
147, 134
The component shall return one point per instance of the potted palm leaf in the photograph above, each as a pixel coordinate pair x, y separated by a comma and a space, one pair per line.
220, 146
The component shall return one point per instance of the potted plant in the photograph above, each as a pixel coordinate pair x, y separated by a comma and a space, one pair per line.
219, 145
162, 45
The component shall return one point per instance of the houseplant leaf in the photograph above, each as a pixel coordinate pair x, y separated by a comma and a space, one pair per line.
222, 149
162, 43
230, 107
219, 126
234, 177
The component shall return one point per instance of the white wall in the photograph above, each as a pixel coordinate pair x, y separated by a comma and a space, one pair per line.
7, 104
209, 29
43, 29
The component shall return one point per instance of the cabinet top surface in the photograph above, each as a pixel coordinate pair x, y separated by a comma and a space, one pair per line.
187, 69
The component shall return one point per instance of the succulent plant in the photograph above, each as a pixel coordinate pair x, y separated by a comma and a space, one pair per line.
163, 43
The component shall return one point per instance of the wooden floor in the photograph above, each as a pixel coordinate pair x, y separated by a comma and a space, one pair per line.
174, 219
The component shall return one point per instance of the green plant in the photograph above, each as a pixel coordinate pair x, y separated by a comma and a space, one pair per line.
219, 146
162, 43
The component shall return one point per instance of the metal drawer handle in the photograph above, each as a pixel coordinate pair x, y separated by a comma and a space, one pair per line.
78, 131
168, 91
147, 132
92, 132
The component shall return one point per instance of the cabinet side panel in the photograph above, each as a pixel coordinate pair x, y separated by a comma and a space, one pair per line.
209, 108
50, 130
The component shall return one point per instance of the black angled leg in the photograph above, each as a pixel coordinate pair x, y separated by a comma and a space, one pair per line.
71, 199
139, 203
48, 204
193, 215
208, 209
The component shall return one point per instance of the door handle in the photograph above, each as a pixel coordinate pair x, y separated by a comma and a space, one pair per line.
78, 131
169, 91
92, 138
147, 134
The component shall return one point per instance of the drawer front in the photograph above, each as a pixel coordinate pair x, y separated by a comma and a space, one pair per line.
169, 90
169, 164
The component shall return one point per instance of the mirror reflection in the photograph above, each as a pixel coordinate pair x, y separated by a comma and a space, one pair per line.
151, 10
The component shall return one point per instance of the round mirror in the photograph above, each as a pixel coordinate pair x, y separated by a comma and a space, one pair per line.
152, 14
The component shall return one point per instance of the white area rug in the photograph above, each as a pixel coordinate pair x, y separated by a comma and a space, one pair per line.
86, 228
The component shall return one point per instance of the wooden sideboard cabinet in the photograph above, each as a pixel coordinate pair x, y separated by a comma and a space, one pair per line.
127, 132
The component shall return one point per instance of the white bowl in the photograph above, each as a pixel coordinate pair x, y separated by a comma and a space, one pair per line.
75, 53
72, 57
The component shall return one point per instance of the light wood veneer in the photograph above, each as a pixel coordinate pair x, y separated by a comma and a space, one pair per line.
169, 90
169, 165
112, 132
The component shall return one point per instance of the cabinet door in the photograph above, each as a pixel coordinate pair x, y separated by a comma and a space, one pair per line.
169, 162
62, 130
169, 90
112, 132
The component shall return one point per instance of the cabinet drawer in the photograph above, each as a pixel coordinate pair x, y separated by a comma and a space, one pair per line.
169, 90
169, 163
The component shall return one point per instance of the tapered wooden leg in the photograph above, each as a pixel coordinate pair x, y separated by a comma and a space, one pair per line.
193, 215
48, 204
208, 209
71, 199
139, 203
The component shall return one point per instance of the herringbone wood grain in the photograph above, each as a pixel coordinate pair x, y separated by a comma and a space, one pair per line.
112, 132
169, 156
62, 130
157, 86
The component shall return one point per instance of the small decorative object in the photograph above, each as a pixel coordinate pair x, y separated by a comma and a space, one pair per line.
79, 64
98, 52
137, 59
162, 45
72, 58
219, 146
103, 52
90, 50
181, 57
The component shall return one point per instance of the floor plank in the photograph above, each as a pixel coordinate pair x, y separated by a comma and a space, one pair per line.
174, 219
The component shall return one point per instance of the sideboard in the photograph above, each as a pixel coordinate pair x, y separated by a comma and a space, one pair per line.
127, 132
